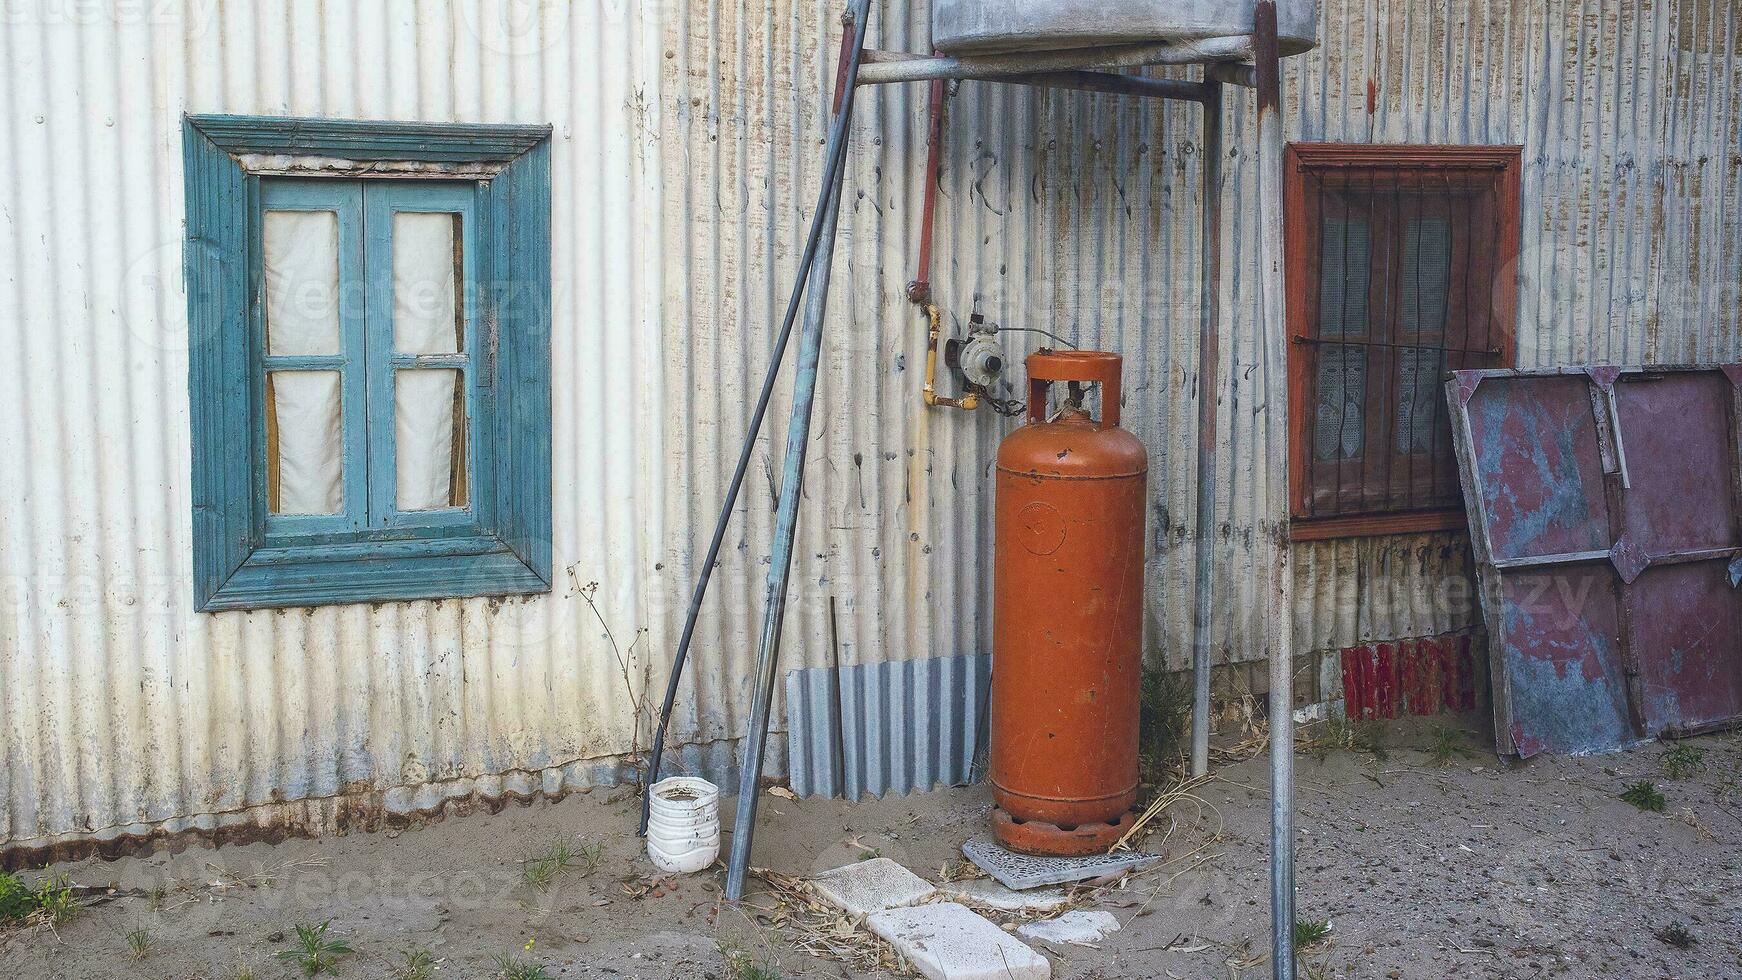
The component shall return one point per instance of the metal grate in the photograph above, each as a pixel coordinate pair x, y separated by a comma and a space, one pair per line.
1023, 871
1401, 267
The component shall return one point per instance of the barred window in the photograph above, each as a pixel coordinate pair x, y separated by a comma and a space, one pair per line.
1401, 268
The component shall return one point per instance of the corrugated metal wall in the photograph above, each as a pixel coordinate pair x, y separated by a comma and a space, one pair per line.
688, 138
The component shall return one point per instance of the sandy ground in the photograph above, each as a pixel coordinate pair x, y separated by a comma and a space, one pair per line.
1426, 863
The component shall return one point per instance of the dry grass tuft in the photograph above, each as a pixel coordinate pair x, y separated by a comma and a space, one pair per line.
817, 928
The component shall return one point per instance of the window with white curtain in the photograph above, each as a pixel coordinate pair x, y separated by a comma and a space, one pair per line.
371, 334
371, 385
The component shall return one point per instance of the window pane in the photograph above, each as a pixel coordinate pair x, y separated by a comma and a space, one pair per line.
305, 448
1421, 403
1344, 270
1427, 274
302, 282
429, 439
1341, 420
426, 299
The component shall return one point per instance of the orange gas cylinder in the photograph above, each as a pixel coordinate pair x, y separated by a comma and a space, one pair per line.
1068, 616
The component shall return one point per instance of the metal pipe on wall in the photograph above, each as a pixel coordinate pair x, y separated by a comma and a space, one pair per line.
919, 290
1273, 303
1209, 385
791, 491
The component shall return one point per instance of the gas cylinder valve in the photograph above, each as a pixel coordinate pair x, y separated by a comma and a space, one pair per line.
980, 358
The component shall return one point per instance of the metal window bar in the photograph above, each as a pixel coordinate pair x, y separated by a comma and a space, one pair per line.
1392, 282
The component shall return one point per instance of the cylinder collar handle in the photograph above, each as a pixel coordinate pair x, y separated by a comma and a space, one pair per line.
1046, 367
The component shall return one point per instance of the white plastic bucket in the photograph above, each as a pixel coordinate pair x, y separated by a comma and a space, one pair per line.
683, 824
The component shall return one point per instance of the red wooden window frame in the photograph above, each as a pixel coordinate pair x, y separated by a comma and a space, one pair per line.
1488, 176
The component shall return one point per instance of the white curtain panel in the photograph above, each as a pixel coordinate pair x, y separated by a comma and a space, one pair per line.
423, 284
302, 282
311, 467
425, 321
423, 405
302, 318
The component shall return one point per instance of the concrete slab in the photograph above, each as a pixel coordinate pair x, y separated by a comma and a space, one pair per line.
946, 941
871, 886
988, 894
1079, 928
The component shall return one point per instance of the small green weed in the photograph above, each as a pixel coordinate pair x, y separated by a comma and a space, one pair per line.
314, 952
49, 901
591, 854
1332, 734
514, 968
1164, 717
1311, 932
418, 965
743, 966
15, 903
54, 901
540, 871
139, 944
1446, 746
1644, 796
1682, 761
244, 972
1367, 737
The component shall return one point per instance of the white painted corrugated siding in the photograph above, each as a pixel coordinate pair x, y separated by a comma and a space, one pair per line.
687, 144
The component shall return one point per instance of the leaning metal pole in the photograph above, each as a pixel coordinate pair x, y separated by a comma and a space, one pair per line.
1267, 59
832, 168
791, 491
1209, 385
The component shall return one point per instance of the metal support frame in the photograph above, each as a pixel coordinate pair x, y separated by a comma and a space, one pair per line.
1272, 289
1081, 70
890, 67
1209, 455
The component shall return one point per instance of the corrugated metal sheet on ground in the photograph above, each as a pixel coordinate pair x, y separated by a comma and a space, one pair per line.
688, 137
895, 727
1603, 509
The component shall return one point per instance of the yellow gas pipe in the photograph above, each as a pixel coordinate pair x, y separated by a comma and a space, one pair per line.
966, 403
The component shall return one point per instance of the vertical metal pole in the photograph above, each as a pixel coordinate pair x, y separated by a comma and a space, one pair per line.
791, 491
1209, 386
1272, 287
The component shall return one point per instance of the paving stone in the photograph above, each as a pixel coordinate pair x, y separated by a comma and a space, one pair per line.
946, 941
872, 886
1077, 928
986, 893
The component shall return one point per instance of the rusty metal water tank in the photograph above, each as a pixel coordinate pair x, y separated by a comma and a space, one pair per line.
1067, 616
990, 26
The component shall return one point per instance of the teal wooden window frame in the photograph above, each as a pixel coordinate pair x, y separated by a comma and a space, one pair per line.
499, 542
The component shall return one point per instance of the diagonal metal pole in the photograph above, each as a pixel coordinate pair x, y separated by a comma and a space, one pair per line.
1209, 385
833, 168
1271, 286
804, 394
